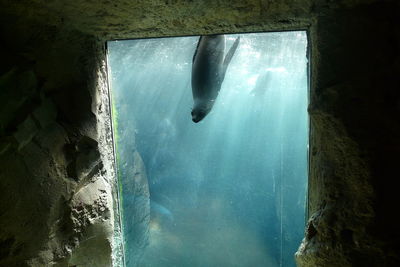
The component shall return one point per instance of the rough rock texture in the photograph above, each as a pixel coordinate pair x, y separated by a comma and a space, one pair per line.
56, 169
56, 205
354, 142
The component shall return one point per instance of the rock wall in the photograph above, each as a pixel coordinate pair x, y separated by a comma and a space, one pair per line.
55, 161
56, 168
354, 138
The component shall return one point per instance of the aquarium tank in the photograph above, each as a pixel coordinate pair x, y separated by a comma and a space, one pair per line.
229, 190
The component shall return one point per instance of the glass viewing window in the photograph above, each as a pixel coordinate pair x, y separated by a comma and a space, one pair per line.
229, 190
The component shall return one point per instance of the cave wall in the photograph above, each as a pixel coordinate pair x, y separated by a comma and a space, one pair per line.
56, 171
56, 162
354, 109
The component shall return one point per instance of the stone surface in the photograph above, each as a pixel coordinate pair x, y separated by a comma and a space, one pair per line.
90, 211
50, 105
45, 113
17, 89
25, 132
53, 53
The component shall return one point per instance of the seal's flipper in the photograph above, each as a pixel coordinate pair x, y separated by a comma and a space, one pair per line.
228, 58
197, 48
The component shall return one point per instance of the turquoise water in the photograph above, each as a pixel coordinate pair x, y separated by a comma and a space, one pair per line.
229, 190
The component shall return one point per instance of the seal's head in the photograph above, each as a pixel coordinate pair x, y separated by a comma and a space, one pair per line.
198, 113
201, 109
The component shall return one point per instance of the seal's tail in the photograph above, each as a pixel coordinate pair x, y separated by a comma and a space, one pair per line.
229, 56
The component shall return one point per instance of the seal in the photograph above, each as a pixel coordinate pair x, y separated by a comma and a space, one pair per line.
208, 72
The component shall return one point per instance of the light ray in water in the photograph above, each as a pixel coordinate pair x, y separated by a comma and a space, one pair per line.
228, 191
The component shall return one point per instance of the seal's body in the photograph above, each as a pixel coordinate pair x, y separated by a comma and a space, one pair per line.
208, 72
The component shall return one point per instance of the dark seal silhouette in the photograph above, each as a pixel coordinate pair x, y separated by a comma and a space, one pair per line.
208, 72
